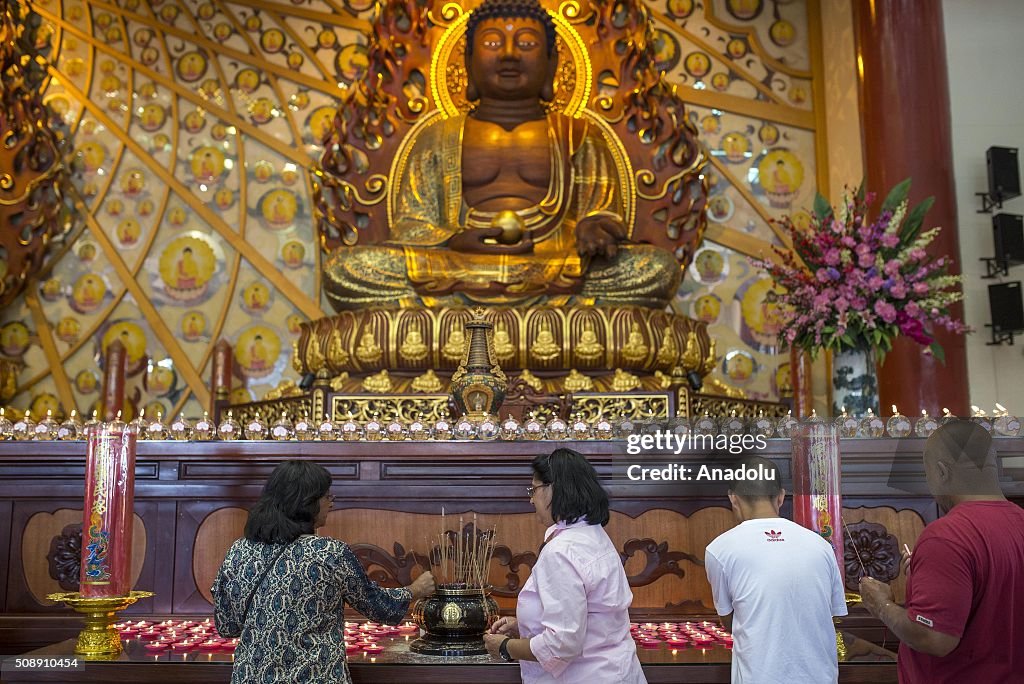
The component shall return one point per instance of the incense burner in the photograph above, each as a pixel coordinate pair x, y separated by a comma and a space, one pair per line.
455, 619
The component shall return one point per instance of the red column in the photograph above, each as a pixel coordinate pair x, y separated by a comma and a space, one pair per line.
905, 120
220, 376
803, 384
113, 380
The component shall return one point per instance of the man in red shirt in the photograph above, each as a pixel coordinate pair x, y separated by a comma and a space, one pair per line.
964, 615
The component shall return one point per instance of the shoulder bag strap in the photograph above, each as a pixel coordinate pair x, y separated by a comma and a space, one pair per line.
259, 583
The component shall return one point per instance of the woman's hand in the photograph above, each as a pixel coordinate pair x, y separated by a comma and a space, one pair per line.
423, 585
507, 626
493, 643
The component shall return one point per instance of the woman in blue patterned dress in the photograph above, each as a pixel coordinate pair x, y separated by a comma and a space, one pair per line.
282, 589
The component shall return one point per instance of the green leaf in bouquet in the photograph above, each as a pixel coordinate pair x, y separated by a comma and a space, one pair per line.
897, 196
938, 352
861, 192
822, 208
912, 224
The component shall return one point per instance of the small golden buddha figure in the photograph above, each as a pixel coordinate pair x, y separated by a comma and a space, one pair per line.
544, 347
624, 382
428, 383
635, 348
691, 359
379, 383
577, 382
314, 356
664, 381
668, 354
509, 202
532, 381
336, 354
368, 350
588, 348
338, 382
711, 360
503, 347
413, 347
456, 344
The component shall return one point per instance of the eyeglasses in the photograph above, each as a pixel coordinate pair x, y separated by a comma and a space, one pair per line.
532, 489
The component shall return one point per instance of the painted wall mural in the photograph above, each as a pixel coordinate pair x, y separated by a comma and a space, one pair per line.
194, 122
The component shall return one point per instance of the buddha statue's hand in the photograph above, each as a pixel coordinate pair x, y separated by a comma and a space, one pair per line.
599, 235
484, 241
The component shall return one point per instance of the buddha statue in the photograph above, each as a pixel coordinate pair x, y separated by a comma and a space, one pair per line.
336, 353
513, 202
368, 350
669, 352
413, 348
503, 347
456, 344
635, 348
544, 347
588, 348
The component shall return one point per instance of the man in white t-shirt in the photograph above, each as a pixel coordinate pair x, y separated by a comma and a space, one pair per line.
781, 585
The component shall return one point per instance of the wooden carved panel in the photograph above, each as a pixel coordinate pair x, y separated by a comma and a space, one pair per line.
662, 551
870, 550
65, 557
904, 526
43, 533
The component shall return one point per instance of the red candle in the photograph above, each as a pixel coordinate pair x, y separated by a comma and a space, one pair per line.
650, 643
677, 642
107, 516
817, 483
352, 648
373, 649
156, 646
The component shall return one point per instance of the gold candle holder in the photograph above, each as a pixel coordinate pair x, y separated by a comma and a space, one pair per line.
99, 640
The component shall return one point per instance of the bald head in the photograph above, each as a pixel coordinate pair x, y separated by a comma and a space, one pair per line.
960, 462
962, 442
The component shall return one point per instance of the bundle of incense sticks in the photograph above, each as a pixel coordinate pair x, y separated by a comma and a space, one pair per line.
462, 557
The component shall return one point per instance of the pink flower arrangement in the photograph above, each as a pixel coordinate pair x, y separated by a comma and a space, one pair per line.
852, 283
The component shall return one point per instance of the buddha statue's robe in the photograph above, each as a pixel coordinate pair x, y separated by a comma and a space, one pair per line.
427, 208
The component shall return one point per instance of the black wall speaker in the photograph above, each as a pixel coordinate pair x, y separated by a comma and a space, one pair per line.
1003, 173
1007, 307
1008, 237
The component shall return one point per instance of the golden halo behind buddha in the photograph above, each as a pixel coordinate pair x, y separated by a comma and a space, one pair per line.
573, 80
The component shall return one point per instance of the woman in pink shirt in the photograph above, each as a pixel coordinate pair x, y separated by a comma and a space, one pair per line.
572, 617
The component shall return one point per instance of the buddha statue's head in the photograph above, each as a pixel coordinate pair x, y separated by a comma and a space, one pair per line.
510, 51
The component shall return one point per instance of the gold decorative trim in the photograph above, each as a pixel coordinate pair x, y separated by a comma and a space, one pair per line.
428, 408
623, 166
633, 405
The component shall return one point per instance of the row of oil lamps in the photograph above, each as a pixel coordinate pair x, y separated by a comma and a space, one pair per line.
491, 427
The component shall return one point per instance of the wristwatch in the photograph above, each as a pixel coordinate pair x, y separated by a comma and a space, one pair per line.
503, 650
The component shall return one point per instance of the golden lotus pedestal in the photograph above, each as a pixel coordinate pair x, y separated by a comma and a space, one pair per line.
374, 350
99, 640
